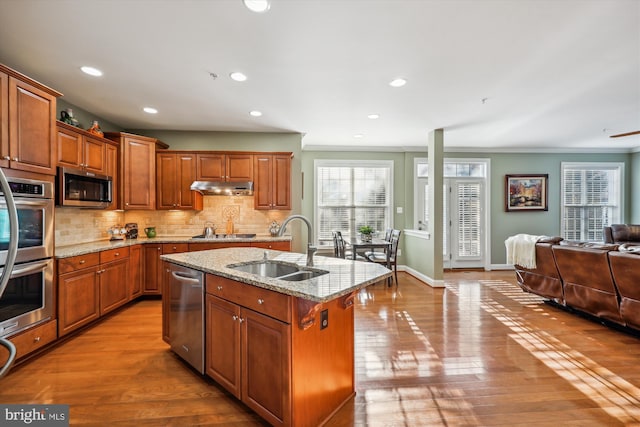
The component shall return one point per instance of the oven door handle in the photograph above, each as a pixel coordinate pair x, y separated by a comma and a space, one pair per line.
31, 268
12, 251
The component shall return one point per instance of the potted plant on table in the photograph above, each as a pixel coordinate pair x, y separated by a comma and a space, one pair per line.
366, 233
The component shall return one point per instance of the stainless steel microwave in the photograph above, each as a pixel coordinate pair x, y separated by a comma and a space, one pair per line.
83, 189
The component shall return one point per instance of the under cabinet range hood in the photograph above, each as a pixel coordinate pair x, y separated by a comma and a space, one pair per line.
221, 188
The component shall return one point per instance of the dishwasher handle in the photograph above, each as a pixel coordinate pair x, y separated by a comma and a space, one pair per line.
184, 277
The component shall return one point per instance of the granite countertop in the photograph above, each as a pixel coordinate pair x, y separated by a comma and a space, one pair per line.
345, 276
101, 245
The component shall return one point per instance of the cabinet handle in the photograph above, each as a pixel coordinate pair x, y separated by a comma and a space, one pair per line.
82, 261
117, 254
174, 248
234, 317
241, 319
15, 159
260, 301
36, 339
219, 287
7, 158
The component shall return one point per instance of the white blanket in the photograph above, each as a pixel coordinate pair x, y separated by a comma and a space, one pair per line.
521, 249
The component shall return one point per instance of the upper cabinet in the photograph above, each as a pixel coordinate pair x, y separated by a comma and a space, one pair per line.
80, 149
224, 167
27, 123
272, 181
175, 173
137, 177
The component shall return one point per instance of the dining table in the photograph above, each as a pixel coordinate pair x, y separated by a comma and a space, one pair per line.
375, 243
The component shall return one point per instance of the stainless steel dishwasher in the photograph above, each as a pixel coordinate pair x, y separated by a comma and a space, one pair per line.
186, 315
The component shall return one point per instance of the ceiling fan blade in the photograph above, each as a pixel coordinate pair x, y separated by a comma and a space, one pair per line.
636, 132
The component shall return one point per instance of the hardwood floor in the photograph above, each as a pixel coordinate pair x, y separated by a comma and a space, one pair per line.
479, 352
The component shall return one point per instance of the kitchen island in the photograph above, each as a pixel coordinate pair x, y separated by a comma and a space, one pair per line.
285, 348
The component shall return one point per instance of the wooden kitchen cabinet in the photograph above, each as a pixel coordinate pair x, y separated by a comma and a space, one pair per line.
79, 149
272, 181
135, 271
27, 123
247, 352
137, 177
227, 167
78, 292
32, 339
204, 246
152, 269
175, 174
111, 169
113, 275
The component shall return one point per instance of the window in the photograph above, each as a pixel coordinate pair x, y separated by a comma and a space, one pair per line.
350, 194
591, 199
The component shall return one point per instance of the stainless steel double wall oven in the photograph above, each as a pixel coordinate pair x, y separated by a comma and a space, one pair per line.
28, 298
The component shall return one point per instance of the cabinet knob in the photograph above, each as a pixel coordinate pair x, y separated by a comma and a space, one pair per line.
15, 159
36, 339
7, 158
241, 319
219, 287
234, 317
117, 254
174, 248
260, 301
126, 204
159, 248
82, 261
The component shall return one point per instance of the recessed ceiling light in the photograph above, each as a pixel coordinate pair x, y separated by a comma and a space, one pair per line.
373, 116
358, 135
91, 71
258, 6
238, 76
255, 113
150, 110
399, 82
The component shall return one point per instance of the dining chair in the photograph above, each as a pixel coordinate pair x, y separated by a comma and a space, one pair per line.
381, 258
340, 248
387, 237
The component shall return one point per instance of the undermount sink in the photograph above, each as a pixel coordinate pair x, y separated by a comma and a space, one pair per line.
225, 236
278, 270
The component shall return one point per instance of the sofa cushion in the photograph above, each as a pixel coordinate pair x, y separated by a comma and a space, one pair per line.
625, 233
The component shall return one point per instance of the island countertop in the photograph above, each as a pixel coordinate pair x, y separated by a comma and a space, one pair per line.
344, 277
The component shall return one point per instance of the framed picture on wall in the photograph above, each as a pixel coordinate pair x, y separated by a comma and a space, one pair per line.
526, 192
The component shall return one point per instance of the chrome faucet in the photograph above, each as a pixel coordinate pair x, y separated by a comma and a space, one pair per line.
310, 248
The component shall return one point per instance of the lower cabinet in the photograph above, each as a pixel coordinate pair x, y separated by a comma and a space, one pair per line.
276, 246
152, 269
91, 285
31, 340
135, 271
247, 353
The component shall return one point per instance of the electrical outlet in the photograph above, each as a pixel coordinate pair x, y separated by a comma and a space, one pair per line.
399, 209
324, 319
399, 252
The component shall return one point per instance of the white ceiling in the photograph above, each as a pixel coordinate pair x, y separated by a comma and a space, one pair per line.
553, 74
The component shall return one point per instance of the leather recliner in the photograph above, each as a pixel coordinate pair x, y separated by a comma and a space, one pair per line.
622, 233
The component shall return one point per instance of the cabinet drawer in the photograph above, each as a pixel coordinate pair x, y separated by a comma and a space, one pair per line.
276, 246
114, 254
67, 265
263, 301
174, 248
31, 340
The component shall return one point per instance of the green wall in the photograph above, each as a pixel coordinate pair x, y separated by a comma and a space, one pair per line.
504, 224
86, 118
634, 199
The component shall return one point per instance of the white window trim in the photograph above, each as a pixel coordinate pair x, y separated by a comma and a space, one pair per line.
349, 163
584, 165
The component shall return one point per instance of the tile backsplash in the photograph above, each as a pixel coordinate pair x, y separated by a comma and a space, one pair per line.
73, 225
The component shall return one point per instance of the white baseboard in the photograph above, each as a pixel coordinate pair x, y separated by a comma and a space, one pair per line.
501, 267
426, 279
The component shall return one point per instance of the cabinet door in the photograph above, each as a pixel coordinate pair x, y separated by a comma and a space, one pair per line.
94, 155
152, 270
114, 290
281, 182
4, 120
239, 167
262, 181
266, 367
32, 129
276, 246
135, 271
222, 353
139, 174
185, 177
69, 148
78, 299
166, 181
210, 167
111, 169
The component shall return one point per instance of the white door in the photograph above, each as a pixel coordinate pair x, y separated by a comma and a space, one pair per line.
463, 233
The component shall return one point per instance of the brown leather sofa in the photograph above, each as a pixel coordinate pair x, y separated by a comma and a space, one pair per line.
622, 233
602, 280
